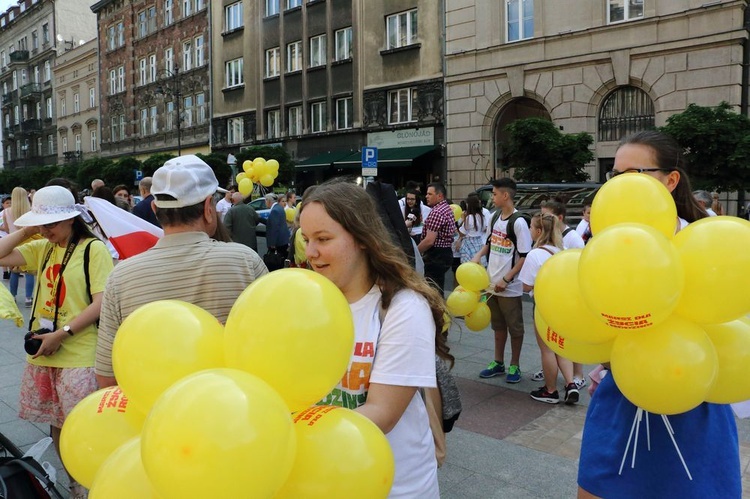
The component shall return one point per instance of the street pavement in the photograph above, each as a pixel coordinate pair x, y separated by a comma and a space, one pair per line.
504, 445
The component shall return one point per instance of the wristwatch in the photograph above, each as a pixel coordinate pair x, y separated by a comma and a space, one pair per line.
68, 330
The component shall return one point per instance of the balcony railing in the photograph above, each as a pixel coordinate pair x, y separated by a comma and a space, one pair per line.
19, 56
31, 91
29, 126
7, 99
73, 156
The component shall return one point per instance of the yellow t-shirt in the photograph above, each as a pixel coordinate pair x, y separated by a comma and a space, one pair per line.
78, 350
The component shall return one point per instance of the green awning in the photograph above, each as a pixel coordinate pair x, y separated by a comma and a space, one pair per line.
397, 156
323, 160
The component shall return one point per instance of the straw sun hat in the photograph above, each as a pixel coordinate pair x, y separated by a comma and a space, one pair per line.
51, 204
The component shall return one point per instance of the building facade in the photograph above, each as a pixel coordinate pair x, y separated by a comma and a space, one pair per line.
33, 34
76, 74
322, 79
154, 84
606, 67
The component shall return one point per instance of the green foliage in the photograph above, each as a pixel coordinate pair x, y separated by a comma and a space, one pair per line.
541, 153
89, 169
155, 162
286, 164
717, 146
218, 164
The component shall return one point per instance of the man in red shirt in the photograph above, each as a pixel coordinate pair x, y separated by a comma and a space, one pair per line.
437, 236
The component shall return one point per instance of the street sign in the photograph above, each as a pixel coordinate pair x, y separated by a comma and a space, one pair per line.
369, 161
138, 175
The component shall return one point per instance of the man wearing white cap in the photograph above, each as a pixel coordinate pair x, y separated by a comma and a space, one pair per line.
186, 264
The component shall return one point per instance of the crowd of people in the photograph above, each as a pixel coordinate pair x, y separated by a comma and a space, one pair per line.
389, 258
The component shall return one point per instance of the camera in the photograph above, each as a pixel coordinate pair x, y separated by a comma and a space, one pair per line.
31, 345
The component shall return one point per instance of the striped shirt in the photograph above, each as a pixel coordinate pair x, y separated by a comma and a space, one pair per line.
441, 221
187, 266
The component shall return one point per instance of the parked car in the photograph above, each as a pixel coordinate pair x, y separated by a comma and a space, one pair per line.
259, 205
529, 197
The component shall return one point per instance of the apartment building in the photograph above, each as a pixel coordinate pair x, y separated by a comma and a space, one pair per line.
606, 67
154, 86
323, 78
33, 34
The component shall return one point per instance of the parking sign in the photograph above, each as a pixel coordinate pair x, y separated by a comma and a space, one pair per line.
369, 161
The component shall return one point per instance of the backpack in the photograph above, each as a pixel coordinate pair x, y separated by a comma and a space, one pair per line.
21, 478
511, 229
566, 231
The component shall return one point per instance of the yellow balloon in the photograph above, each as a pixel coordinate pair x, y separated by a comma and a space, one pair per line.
558, 297
290, 214
630, 276
461, 301
273, 167
162, 342
457, 211
95, 427
247, 165
260, 339
324, 469
669, 369
614, 204
240, 176
714, 253
245, 187
260, 167
266, 180
576, 351
218, 433
732, 343
122, 475
479, 318
472, 276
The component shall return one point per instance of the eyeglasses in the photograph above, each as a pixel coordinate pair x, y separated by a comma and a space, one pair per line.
50, 226
411, 199
613, 173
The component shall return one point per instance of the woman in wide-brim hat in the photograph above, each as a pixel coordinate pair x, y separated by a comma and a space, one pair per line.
72, 266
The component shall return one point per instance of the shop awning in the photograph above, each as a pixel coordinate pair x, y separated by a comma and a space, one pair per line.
323, 160
397, 156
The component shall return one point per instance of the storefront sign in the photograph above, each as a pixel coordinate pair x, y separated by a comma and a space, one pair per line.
408, 137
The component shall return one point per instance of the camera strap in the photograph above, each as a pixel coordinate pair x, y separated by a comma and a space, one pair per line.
66, 258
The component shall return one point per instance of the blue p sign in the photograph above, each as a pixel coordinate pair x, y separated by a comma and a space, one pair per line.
369, 157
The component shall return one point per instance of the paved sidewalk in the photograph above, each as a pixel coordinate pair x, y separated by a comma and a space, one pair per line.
504, 445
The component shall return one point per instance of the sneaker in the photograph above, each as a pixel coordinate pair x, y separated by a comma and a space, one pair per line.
571, 394
538, 376
28, 302
542, 395
494, 368
580, 382
514, 375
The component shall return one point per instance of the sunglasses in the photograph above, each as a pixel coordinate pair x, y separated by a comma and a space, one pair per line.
50, 226
613, 173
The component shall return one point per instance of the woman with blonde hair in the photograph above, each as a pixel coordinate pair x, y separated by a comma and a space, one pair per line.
19, 206
396, 313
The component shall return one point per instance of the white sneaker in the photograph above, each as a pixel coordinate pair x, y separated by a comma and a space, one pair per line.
538, 376
580, 383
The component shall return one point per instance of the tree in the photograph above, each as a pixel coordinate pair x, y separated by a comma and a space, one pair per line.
218, 164
286, 164
154, 162
716, 141
541, 153
90, 169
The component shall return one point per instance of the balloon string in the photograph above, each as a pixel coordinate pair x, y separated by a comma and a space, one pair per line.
638, 417
648, 434
630, 438
676, 447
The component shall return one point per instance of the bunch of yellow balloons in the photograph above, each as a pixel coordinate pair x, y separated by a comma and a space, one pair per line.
466, 299
457, 211
207, 410
663, 308
257, 171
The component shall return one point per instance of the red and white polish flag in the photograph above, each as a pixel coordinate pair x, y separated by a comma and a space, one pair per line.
128, 234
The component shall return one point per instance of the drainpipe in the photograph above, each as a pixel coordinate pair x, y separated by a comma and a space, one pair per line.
745, 88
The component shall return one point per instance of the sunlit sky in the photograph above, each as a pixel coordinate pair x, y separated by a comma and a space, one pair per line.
4, 4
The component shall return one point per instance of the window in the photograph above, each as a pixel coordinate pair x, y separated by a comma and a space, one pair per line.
273, 128
235, 131
187, 56
39, 143
170, 116
234, 74
343, 44
168, 12
318, 117
401, 105
16, 116
143, 71
92, 139
15, 80
169, 60
122, 127
233, 17
144, 122
625, 111
402, 29
344, 113
23, 77
3, 60
121, 79
38, 108
272, 7
199, 51
142, 24
151, 12
187, 7
115, 128
200, 108
78, 142
295, 121
120, 34
76, 103
111, 40
92, 98
112, 82
153, 115
624, 10
34, 41
45, 34
37, 75
152, 67
48, 103
520, 19
272, 62
64, 144
199, 5
317, 51
62, 105
187, 114
294, 57
50, 144
290, 4
47, 71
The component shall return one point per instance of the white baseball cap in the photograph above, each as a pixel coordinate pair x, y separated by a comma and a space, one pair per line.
188, 179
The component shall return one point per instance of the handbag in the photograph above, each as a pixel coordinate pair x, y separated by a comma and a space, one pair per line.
274, 260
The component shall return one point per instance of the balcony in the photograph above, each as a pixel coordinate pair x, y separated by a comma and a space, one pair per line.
19, 56
73, 156
7, 99
31, 126
31, 91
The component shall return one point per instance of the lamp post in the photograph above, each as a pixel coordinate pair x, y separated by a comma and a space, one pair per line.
169, 84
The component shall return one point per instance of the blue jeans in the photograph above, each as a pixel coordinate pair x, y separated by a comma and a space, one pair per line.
29, 278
